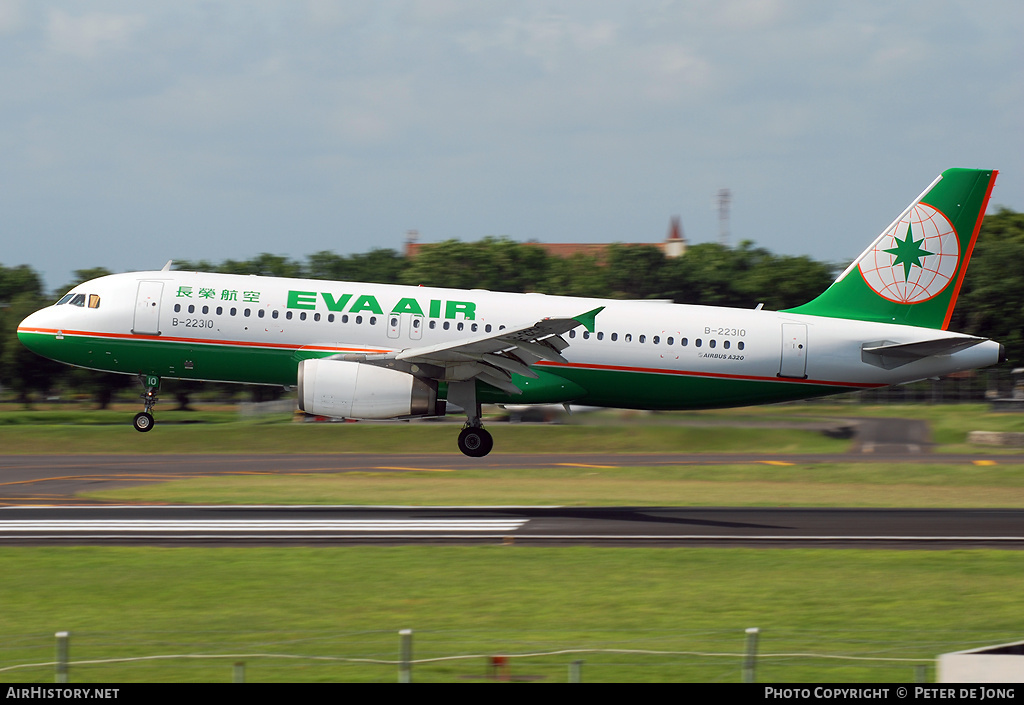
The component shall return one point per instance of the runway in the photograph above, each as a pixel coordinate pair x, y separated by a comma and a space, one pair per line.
612, 526
39, 505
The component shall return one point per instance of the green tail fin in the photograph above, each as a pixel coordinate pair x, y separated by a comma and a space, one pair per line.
913, 272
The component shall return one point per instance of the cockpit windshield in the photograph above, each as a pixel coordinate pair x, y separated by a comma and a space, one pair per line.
79, 300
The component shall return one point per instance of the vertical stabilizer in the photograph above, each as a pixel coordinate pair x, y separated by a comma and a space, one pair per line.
912, 273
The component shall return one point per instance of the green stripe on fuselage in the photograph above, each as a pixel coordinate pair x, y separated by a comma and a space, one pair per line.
555, 384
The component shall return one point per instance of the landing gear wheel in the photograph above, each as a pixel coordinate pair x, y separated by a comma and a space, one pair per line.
143, 422
475, 442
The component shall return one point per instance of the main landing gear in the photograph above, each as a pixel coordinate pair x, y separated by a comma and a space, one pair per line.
474, 441
144, 421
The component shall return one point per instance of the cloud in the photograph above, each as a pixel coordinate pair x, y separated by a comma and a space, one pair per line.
86, 36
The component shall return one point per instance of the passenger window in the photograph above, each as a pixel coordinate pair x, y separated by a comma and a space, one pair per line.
302, 316
461, 325
739, 345
684, 342
628, 337
177, 308
344, 318
600, 335
274, 314
615, 336
288, 315
643, 338
316, 316
487, 328
220, 310
373, 320
191, 308
586, 335
330, 317
206, 309
433, 325
725, 345
712, 343
394, 321
669, 341
233, 311
656, 340
473, 327
698, 342
359, 319
246, 313
572, 333
447, 325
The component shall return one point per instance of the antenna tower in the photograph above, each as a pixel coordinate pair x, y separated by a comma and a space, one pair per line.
724, 198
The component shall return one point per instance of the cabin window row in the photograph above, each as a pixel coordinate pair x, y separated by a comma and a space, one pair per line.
331, 318
657, 340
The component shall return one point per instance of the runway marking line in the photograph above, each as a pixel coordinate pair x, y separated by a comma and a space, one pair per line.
586, 465
388, 467
782, 463
984, 462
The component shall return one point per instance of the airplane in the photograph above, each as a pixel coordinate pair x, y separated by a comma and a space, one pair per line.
381, 351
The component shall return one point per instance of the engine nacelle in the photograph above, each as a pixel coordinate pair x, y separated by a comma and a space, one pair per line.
355, 390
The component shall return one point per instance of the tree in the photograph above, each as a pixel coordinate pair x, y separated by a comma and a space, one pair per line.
991, 301
492, 263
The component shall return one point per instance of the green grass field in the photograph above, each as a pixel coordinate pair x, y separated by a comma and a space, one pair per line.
895, 609
218, 429
758, 485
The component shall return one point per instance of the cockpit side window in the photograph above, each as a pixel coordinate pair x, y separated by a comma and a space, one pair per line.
94, 300
78, 300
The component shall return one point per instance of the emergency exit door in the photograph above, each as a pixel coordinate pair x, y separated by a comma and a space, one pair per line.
794, 351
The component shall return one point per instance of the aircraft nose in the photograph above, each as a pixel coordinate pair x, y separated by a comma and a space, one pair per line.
35, 329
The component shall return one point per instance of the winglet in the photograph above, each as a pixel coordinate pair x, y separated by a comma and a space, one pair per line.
587, 319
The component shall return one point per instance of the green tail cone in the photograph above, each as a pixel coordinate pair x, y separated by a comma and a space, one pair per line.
912, 274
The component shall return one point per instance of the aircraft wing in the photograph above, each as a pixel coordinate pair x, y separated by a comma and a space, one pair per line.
492, 357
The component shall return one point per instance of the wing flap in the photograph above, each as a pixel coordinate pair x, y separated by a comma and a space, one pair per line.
494, 357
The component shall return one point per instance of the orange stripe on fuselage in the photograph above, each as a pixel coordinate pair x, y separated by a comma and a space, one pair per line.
202, 341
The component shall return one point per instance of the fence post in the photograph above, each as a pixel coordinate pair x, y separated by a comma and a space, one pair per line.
62, 657
405, 664
751, 658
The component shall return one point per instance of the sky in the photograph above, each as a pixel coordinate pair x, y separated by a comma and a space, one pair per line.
132, 133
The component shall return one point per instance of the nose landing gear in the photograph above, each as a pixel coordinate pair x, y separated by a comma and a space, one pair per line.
144, 421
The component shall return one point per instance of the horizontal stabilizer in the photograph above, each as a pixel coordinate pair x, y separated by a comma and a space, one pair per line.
889, 355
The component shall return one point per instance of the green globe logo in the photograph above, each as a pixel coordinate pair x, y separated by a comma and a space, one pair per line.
915, 259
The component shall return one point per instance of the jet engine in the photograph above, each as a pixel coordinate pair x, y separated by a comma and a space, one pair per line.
356, 390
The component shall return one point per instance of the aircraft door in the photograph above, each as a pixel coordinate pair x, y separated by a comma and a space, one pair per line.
794, 351
147, 308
